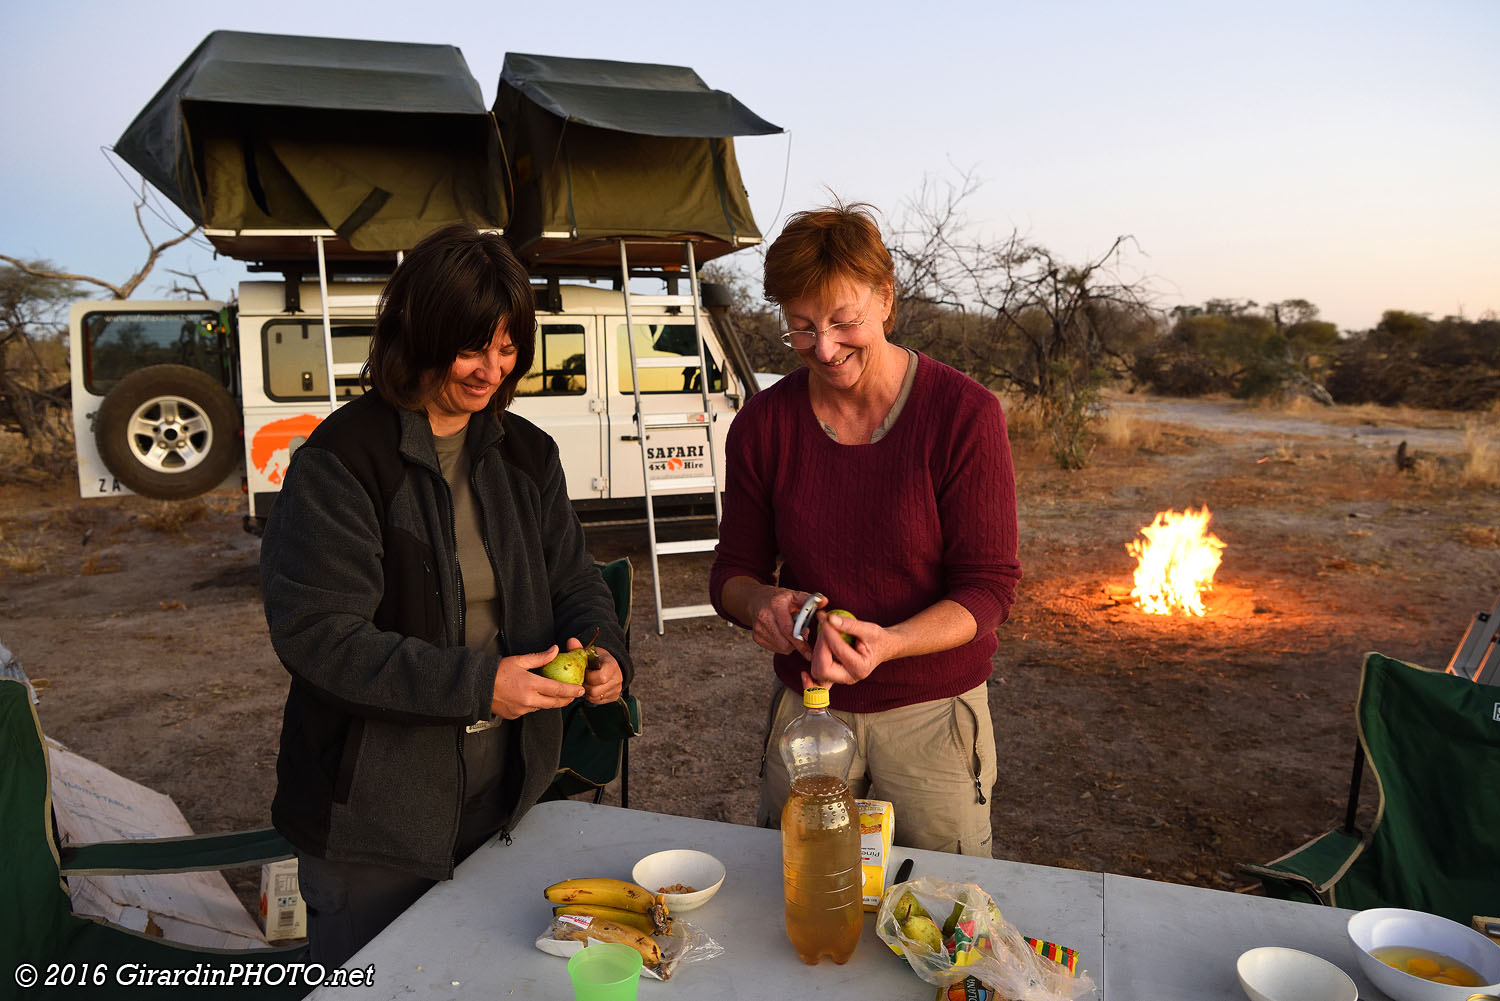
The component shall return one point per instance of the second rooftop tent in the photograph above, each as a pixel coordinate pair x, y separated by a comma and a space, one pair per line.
602, 150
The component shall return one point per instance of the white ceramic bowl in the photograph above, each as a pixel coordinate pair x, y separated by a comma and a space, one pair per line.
1275, 974
684, 866
1383, 926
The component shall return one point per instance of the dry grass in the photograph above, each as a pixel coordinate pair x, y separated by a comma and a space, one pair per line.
1023, 422
1480, 536
1367, 414
173, 517
1432, 474
225, 502
1282, 453
96, 564
1481, 458
22, 559
13, 451
1123, 433
1376, 415
1291, 406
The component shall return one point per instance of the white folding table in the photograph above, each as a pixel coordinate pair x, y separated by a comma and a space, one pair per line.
473, 936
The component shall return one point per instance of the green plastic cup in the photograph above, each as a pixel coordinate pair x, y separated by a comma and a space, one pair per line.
605, 971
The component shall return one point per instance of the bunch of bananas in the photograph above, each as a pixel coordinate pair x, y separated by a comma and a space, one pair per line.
615, 911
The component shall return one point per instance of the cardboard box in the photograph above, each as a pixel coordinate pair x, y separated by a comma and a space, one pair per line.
967, 989
283, 913
877, 826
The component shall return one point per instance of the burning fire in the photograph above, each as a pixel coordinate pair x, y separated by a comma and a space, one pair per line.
1175, 564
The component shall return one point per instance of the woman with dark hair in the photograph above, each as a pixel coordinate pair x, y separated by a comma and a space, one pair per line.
882, 479
421, 559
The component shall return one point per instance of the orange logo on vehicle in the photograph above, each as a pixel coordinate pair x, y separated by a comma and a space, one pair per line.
674, 463
271, 448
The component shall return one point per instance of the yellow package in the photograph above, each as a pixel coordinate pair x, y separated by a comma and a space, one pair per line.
877, 826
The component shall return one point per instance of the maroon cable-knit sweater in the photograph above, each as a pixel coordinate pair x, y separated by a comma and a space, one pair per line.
884, 530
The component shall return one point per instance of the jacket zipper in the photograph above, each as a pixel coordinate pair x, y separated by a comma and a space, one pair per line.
458, 573
458, 577
484, 538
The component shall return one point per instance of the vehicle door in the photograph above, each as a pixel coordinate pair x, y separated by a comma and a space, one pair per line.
666, 392
172, 427
286, 387
564, 395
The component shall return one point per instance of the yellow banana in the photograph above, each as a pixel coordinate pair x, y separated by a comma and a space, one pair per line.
603, 930
604, 891
650, 923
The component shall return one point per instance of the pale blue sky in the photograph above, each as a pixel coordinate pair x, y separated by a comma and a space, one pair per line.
1343, 152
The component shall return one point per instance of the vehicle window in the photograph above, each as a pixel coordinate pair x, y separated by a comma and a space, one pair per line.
116, 344
557, 369
666, 340
295, 366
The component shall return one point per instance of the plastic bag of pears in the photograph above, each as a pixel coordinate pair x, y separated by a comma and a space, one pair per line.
948, 931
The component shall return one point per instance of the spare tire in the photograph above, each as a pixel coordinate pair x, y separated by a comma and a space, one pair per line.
168, 432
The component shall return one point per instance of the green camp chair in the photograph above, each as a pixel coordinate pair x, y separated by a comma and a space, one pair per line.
37, 923
596, 739
1433, 743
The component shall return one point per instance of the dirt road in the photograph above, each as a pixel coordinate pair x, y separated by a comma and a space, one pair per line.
1334, 425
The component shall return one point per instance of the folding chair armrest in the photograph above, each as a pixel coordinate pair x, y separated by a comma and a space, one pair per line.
193, 853
1308, 872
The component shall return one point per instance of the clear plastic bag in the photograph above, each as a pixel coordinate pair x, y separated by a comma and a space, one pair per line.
978, 942
685, 943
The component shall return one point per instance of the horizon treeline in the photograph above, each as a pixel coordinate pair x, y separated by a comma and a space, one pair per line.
1239, 348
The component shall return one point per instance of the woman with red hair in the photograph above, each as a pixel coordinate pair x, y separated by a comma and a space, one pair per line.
881, 478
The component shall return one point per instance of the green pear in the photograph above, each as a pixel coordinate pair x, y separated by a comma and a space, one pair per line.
908, 907
570, 665
922, 930
848, 637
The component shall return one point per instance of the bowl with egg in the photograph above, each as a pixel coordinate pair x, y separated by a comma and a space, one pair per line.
1416, 956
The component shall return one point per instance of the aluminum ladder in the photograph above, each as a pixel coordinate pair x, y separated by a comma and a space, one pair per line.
337, 370
701, 420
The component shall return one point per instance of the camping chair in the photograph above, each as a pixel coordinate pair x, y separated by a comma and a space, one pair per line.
37, 923
1433, 744
596, 739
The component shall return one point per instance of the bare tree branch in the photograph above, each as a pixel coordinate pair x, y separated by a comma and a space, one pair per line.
156, 250
196, 290
31, 296
1012, 313
62, 276
126, 288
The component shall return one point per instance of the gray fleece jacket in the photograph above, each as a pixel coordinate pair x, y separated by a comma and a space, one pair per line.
359, 573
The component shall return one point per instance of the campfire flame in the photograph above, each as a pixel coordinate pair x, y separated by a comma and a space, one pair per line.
1175, 563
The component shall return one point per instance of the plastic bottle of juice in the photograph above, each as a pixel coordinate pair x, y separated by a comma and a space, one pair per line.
820, 858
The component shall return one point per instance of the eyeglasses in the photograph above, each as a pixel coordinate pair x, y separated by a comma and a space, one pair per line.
803, 340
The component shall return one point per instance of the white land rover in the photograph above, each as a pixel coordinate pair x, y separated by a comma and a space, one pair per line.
173, 399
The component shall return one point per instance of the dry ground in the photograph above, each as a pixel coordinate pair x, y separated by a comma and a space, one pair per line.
1150, 746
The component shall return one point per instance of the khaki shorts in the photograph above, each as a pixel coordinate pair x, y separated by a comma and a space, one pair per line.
935, 761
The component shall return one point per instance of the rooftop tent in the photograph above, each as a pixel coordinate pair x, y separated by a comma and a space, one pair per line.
603, 149
377, 142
